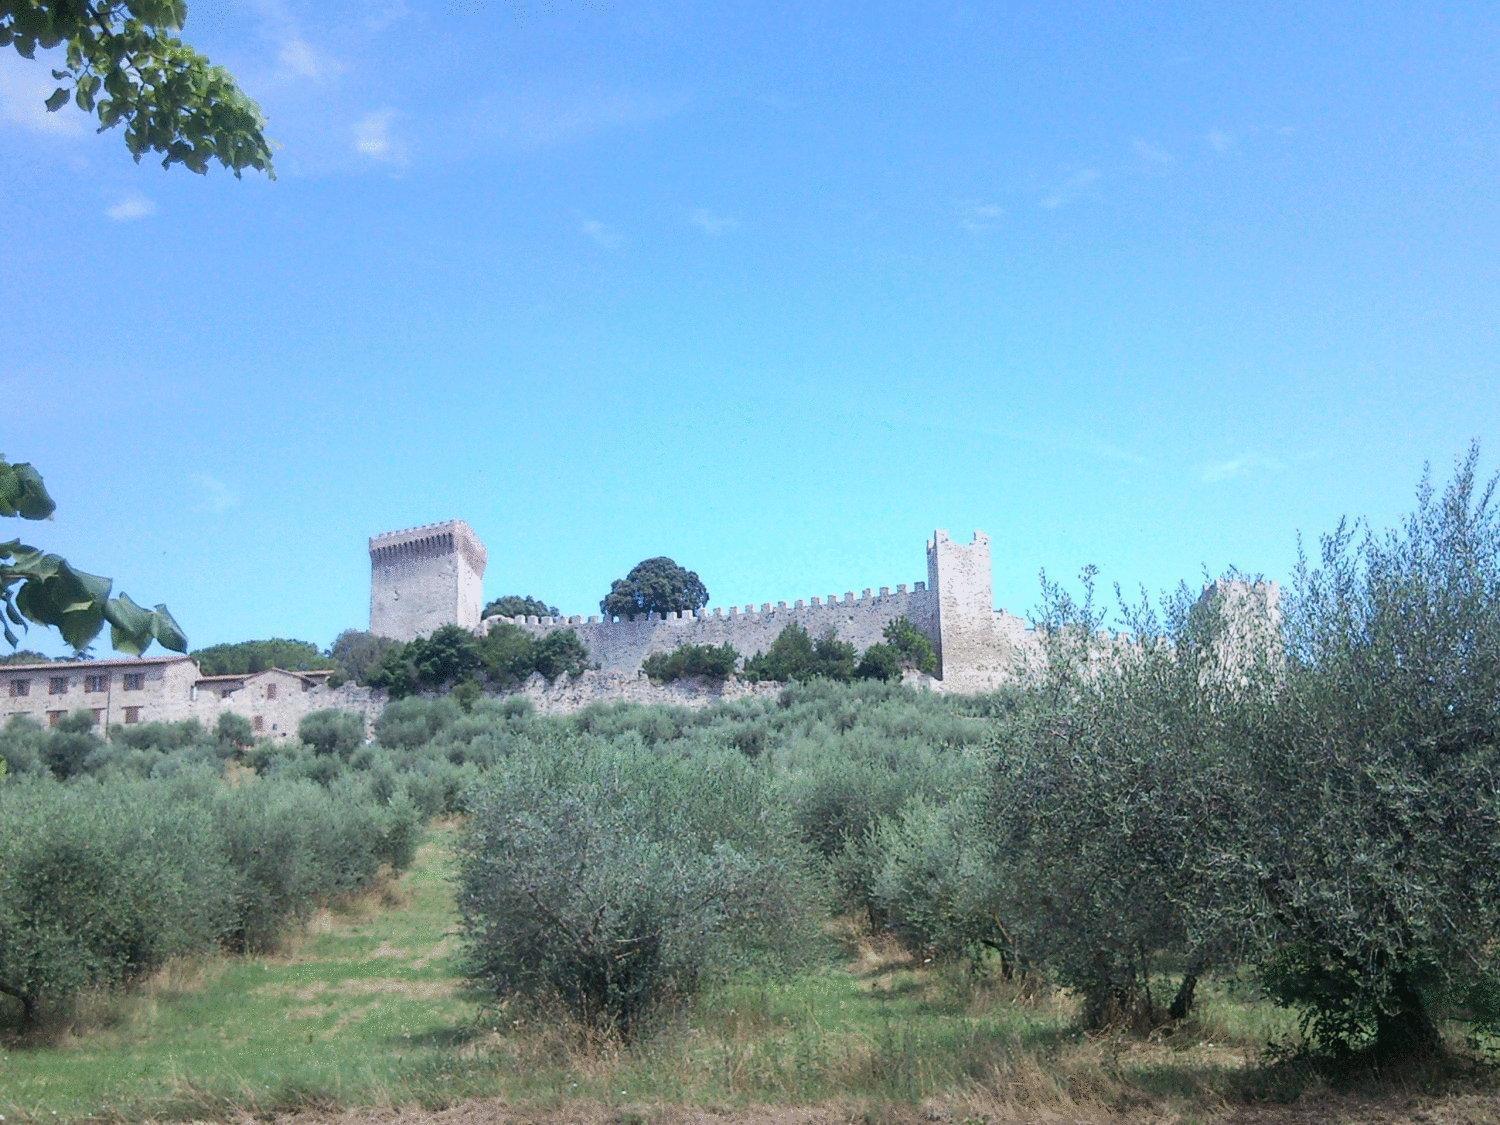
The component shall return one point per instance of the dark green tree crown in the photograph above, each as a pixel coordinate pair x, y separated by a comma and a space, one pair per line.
655, 585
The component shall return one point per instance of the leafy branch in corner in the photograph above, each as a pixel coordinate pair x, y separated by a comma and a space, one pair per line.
122, 62
40, 588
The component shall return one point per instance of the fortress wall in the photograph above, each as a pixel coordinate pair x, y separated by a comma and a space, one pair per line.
619, 646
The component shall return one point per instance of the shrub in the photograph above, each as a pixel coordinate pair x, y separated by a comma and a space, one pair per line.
332, 732
100, 885
794, 655
165, 737
715, 662
934, 880
234, 732
67, 747
409, 723
293, 846
560, 653
912, 646
612, 883
879, 662
21, 742
1378, 897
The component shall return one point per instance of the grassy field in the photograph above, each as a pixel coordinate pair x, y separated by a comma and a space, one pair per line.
367, 1009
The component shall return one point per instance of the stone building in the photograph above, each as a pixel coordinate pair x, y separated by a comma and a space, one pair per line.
170, 689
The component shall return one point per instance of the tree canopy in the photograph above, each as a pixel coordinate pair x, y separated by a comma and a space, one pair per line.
519, 605
123, 63
248, 657
39, 588
655, 585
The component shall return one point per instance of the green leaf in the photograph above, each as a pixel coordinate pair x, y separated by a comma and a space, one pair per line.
168, 633
57, 99
132, 628
22, 492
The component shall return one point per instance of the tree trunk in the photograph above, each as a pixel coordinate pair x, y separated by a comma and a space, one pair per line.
28, 1004
1182, 1003
1407, 1030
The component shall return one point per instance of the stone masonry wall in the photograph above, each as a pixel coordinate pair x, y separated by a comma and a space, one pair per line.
424, 578
619, 646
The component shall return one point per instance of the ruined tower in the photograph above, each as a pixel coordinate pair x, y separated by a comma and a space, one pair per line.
425, 577
969, 649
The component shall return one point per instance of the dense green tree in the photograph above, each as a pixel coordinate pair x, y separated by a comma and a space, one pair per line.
913, 649
248, 657
560, 653
794, 655
655, 585
45, 589
234, 731
356, 653
519, 605
449, 655
879, 662
714, 662
122, 62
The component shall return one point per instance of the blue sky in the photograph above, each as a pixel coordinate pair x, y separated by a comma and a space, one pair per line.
773, 289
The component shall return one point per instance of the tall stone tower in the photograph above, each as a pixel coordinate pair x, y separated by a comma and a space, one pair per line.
970, 651
426, 577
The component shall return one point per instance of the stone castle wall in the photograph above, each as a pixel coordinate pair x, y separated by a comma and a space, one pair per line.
619, 646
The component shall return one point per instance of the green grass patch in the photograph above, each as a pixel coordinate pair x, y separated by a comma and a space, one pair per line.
367, 1008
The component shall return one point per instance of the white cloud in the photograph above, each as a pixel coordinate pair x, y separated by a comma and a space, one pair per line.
375, 139
1070, 187
1153, 154
1216, 472
538, 120
601, 233
711, 223
386, 14
130, 207
297, 58
214, 495
1219, 141
24, 88
977, 218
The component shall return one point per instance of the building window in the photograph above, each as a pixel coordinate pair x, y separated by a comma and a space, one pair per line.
132, 714
19, 688
258, 723
57, 685
96, 683
134, 681
270, 691
55, 717
98, 716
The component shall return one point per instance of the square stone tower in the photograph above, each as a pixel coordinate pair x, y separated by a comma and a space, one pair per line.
969, 649
424, 578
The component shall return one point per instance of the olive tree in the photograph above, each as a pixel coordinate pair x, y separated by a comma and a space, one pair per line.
1375, 841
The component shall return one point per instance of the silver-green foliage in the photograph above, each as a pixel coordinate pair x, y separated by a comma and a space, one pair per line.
613, 882
1375, 841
